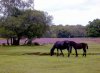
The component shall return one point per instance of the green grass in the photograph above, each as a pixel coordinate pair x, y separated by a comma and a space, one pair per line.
33, 59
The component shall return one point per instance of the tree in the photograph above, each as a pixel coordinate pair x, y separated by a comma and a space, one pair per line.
39, 23
20, 19
66, 31
93, 28
76, 30
11, 8
28, 23
63, 34
6, 6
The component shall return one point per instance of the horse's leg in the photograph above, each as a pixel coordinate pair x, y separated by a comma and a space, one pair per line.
84, 52
57, 51
61, 52
69, 53
76, 53
71, 49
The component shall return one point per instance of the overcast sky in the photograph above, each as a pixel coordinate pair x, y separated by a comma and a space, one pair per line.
70, 12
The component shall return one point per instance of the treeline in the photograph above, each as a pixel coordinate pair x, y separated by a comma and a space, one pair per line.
67, 31
92, 29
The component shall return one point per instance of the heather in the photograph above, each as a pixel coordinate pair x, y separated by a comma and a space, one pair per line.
53, 40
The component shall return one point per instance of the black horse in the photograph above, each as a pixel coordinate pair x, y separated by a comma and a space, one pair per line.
60, 45
76, 46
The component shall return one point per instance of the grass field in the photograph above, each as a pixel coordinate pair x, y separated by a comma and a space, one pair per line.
36, 59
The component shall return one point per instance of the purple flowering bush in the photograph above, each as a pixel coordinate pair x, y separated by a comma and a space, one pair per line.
42, 41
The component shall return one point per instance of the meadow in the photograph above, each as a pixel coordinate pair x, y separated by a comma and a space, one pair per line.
36, 59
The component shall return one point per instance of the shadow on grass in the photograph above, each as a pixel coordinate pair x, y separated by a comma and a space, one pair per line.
46, 54
37, 53
89, 54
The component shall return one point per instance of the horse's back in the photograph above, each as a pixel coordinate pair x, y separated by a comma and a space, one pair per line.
81, 45
59, 45
84, 44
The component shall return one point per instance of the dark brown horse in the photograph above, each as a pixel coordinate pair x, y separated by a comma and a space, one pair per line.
76, 46
60, 45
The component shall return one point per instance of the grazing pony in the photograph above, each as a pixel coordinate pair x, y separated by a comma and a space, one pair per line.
60, 45
76, 46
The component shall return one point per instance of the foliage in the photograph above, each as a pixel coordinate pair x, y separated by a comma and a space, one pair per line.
28, 23
63, 34
6, 6
9, 24
67, 31
77, 30
20, 19
93, 28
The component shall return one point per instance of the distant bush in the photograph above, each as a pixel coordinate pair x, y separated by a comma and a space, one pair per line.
3, 44
36, 44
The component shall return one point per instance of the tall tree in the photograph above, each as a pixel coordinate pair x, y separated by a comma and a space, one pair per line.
63, 34
19, 19
76, 30
93, 28
6, 6
29, 23
66, 31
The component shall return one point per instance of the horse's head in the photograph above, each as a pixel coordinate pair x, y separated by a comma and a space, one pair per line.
52, 52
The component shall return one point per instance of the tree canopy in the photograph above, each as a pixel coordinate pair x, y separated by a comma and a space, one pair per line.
67, 31
6, 6
93, 28
18, 22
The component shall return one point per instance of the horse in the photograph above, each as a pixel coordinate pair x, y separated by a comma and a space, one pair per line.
60, 45
76, 46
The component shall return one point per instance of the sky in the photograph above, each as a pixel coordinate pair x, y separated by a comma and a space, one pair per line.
70, 12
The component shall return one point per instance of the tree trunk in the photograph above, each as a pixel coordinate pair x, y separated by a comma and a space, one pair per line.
29, 41
15, 41
8, 41
11, 41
